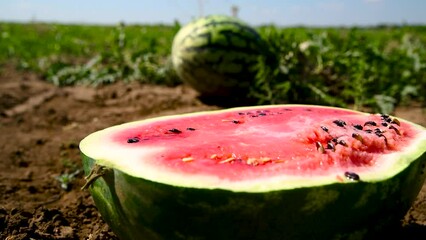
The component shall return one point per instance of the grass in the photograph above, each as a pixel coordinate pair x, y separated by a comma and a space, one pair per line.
377, 67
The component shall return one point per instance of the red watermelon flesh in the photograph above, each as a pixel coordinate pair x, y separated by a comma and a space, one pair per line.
262, 172
267, 142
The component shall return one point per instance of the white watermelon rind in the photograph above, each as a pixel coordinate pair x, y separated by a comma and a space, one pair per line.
130, 160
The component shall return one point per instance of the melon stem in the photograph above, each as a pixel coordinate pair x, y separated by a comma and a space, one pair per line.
96, 172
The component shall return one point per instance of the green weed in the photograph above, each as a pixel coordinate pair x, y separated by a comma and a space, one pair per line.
376, 67
362, 67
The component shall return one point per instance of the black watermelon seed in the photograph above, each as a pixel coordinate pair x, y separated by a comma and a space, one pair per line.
190, 129
331, 146
236, 121
385, 124
133, 140
262, 114
352, 176
325, 129
370, 123
342, 142
368, 131
241, 113
388, 120
339, 123
396, 121
395, 129
384, 116
357, 136
319, 147
357, 126
381, 135
378, 130
254, 116
334, 140
175, 130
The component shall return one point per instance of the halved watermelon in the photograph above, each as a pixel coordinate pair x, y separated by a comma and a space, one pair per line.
265, 172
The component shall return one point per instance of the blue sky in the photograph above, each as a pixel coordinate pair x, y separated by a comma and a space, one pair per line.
279, 12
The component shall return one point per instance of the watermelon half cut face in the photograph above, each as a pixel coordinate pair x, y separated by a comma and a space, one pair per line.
265, 172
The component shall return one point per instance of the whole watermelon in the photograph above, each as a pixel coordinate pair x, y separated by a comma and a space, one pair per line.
216, 55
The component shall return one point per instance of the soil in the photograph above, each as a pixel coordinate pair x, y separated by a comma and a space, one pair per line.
40, 168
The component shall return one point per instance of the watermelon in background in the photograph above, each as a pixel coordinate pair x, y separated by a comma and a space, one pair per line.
217, 56
265, 172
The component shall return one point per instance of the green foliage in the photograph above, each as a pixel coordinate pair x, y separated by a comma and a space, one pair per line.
66, 179
60, 52
362, 67
376, 67
294, 73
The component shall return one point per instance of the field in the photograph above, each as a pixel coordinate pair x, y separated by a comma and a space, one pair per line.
59, 83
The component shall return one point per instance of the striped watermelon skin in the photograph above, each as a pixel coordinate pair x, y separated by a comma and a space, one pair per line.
217, 55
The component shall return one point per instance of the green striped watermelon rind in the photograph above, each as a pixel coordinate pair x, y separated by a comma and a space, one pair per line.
137, 208
217, 54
